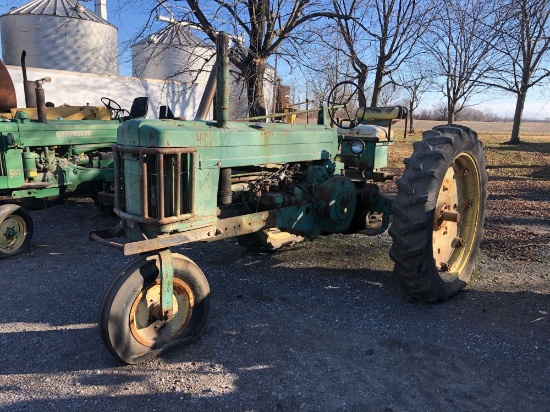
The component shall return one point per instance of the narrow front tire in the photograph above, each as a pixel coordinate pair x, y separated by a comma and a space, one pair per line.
129, 311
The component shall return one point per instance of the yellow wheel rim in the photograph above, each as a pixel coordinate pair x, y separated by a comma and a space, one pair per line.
146, 311
457, 214
13, 231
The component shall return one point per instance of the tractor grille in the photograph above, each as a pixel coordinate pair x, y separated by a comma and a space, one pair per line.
164, 179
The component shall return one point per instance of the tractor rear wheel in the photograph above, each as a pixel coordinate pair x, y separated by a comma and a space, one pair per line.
439, 212
268, 240
16, 229
130, 308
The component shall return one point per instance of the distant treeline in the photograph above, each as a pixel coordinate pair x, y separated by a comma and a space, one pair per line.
469, 114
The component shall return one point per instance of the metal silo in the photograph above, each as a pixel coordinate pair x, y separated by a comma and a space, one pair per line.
61, 35
173, 53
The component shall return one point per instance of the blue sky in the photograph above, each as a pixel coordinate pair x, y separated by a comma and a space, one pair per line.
129, 20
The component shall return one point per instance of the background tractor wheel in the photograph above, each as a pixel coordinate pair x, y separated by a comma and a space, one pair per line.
439, 213
16, 229
268, 240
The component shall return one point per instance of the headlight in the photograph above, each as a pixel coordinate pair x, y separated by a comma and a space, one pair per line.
357, 146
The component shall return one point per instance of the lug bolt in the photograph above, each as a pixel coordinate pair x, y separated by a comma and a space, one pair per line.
450, 216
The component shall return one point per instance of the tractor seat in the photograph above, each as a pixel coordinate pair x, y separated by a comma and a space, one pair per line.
139, 109
366, 114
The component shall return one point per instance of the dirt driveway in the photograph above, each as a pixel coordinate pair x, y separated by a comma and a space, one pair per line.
320, 327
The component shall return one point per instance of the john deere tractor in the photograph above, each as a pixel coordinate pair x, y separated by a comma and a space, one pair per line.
48, 152
268, 184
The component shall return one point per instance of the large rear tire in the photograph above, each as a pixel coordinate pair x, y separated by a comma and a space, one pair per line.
130, 306
439, 213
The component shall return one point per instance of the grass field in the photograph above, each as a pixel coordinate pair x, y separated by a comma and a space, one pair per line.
518, 206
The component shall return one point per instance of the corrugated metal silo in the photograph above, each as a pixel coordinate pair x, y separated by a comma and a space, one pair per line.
61, 35
173, 53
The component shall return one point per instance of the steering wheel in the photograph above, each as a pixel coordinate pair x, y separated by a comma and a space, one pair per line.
347, 95
112, 106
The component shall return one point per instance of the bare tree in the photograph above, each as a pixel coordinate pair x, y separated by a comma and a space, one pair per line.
325, 64
388, 30
460, 42
523, 43
267, 24
416, 79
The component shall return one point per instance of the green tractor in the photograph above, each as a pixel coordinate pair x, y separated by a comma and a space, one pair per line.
270, 184
48, 152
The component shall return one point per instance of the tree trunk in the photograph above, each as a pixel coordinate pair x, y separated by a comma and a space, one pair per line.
518, 114
254, 78
411, 109
361, 81
377, 84
451, 112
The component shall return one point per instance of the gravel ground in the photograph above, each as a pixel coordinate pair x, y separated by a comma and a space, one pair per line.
321, 326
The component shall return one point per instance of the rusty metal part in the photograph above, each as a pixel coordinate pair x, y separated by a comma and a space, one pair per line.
225, 228
24, 65
34, 185
101, 236
146, 323
8, 99
222, 102
458, 242
159, 153
41, 100
224, 193
445, 215
28, 85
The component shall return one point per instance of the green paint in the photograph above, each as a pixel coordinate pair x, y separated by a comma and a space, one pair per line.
60, 155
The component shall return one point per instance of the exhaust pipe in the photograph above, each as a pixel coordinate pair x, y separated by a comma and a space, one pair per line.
28, 85
41, 100
222, 93
208, 95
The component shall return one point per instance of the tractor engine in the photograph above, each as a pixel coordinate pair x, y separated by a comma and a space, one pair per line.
332, 197
171, 179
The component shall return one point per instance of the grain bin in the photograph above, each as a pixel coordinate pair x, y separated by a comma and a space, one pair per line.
173, 53
61, 35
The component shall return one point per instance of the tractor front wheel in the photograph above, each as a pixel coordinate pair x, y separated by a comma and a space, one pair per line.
16, 229
130, 321
439, 213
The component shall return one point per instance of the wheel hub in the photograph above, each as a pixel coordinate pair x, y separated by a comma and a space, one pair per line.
455, 216
12, 232
146, 322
